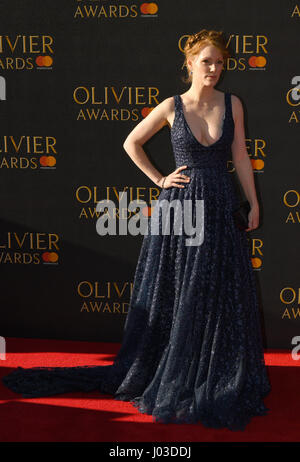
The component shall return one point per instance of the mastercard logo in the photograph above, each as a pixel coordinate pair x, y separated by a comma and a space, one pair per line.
257, 164
257, 61
47, 161
50, 257
149, 8
146, 110
256, 262
44, 61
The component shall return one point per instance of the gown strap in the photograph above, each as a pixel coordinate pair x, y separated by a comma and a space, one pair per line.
228, 102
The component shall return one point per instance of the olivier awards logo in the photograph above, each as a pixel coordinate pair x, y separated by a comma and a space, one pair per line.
29, 248
290, 298
28, 152
291, 200
88, 197
26, 52
188, 217
110, 104
105, 10
257, 152
107, 297
250, 52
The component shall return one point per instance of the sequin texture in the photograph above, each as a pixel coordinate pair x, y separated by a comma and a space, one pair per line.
192, 348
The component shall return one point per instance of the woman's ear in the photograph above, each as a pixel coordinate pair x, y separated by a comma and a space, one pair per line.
189, 65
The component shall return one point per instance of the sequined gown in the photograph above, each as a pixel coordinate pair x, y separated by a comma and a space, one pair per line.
192, 347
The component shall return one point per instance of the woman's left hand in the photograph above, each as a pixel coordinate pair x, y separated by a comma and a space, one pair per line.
253, 218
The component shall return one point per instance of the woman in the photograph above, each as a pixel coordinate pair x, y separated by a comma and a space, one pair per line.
192, 347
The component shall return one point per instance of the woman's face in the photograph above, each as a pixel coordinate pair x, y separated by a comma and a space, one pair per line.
208, 62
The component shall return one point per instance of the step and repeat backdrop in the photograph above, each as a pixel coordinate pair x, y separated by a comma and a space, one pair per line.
76, 76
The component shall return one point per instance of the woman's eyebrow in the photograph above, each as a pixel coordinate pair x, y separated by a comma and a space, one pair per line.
207, 57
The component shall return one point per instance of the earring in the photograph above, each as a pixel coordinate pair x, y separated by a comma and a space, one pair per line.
191, 72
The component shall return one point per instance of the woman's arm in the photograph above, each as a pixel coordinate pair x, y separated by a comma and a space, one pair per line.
142, 132
240, 156
242, 162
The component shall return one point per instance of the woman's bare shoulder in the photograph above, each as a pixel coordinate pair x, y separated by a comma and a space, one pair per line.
168, 102
237, 106
235, 99
168, 107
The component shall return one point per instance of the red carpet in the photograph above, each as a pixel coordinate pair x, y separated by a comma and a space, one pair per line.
94, 417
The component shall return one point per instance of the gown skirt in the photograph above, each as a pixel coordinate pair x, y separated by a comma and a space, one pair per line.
192, 349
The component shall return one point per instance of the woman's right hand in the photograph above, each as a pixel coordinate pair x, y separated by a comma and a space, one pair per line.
173, 178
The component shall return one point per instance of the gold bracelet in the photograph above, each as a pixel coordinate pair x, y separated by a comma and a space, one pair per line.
163, 182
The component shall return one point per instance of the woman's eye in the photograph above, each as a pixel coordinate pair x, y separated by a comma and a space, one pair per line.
206, 61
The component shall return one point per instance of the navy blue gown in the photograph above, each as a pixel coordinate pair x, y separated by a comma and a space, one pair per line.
192, 347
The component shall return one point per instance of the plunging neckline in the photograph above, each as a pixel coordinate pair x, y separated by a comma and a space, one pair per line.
190, 131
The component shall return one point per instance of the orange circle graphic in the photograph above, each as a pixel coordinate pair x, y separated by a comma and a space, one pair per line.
149, 8
252, 61
39, 60
256, 262
257, 164
51, 161
146, 110
44, 161
152, 8
47, 61
261, 61
144, 8
45, 256
53, 257
44, 61
257, 61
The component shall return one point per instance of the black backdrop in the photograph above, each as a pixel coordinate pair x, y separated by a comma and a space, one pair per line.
75, 78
